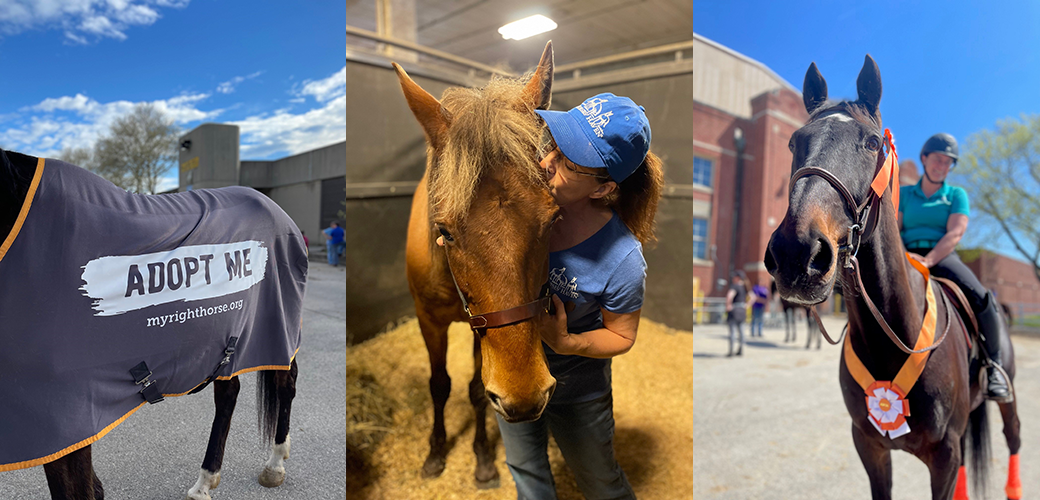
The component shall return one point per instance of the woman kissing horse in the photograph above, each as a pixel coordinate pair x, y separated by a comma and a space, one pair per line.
485, 197
841, 225
85, 346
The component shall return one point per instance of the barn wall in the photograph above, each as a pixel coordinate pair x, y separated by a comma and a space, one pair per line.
667, 100
387, 155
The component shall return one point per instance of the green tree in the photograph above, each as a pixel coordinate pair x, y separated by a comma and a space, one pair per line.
1003, 171
138, 149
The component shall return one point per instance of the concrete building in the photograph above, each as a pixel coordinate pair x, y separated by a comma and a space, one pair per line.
310, 186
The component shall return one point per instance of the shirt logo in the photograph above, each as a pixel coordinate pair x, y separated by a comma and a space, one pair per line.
560, 285
592, 110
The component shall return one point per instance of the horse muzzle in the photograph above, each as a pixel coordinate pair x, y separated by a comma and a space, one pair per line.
802, 263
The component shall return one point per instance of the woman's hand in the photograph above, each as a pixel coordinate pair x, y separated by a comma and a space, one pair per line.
556, 335
925, 261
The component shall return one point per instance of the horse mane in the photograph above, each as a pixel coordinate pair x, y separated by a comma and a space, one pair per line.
490, 128
857, 111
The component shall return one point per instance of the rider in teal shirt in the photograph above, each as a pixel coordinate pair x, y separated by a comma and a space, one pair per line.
933, 216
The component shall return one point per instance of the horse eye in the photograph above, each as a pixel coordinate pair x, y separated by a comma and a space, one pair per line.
790, 145
445, 234
874, 144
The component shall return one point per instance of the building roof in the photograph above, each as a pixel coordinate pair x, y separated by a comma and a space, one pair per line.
727, 80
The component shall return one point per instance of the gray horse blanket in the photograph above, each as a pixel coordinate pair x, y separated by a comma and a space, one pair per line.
95, 280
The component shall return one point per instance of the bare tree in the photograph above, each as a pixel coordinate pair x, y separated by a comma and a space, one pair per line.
1003, 169
138, 149
83, 157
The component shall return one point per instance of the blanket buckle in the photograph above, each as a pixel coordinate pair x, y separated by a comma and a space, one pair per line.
149, 391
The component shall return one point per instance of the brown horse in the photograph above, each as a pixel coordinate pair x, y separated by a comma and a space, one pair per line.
485, 196
838, 228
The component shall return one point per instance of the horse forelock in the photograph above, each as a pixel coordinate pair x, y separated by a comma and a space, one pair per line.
487, 132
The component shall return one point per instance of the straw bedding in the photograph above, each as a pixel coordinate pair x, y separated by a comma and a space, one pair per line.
389, 418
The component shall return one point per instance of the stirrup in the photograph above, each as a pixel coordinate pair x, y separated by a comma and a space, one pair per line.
1007, 380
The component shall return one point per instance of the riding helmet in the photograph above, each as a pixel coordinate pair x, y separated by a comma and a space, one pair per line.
941, 143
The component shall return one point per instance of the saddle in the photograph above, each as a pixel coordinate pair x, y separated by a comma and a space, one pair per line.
965, 315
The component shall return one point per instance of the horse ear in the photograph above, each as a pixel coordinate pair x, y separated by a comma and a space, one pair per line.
433, 118
538, 92
814, 89
868, 84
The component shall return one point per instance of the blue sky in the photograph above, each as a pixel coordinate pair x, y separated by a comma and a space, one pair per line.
70, 67
954, 67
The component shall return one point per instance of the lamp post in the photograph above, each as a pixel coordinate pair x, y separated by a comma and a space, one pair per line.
739, 142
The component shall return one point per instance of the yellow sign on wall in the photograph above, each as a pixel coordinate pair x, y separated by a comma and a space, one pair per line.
190, 164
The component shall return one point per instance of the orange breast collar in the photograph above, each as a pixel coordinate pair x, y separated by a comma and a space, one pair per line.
887, 407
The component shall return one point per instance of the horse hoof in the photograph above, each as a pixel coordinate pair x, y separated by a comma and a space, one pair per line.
433, 467
488, 485
204, 496
487, 478
272, 478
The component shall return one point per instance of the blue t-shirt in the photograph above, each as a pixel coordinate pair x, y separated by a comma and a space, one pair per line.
336, 233
606, 271
924, 218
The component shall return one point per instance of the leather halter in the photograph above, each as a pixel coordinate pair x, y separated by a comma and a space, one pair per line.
480, 323
865, 218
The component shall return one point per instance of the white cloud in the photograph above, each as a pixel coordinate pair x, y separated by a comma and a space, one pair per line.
82, 20
53, 124
229, 86
77, 121
327, 88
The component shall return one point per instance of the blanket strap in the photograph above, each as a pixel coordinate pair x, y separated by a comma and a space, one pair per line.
228, 352
149, 391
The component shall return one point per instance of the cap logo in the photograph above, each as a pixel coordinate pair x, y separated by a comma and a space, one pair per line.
592, 110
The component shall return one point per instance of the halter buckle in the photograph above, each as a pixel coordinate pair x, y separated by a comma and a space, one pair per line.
849, 249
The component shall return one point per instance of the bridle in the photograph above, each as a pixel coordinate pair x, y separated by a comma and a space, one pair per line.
865, 218
480, 323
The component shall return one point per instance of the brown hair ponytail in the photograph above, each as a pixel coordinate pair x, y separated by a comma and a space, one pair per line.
635, 199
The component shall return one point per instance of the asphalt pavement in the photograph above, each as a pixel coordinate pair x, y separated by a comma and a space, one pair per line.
157, 452
772, 424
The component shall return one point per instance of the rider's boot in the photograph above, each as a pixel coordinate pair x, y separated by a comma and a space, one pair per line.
993, 329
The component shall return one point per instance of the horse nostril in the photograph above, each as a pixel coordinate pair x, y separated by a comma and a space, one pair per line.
770, 262
495, 400
823, 258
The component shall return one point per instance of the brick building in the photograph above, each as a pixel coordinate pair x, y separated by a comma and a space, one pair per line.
743, 116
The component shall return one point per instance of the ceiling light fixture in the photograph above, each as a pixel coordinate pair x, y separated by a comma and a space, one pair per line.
527, 27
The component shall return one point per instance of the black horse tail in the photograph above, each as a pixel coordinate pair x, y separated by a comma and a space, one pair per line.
978, 426
266, 405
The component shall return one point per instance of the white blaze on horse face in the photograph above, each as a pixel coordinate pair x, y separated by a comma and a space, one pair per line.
841, 117
207, 481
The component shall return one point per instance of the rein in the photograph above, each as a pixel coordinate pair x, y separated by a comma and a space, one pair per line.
865, 218
480, 323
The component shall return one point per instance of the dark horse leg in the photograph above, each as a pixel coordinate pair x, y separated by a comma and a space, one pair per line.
436, 338
943, 466
1009, 412
72, 477
225, 395
277, 390
486, 474
877, 460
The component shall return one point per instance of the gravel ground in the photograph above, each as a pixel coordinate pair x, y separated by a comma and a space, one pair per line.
158, 451
772, 424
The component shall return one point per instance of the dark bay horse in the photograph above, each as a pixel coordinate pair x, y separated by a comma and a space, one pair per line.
841, 227
484, 195
70, 473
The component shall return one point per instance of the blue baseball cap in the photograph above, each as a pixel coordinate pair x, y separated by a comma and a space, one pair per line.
605, 131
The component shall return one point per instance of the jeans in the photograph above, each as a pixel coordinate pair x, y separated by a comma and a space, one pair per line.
585, 434
335, 250
756, 321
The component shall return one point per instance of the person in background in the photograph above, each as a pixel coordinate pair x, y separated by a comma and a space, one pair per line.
736, 310
758, 308
334, 242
